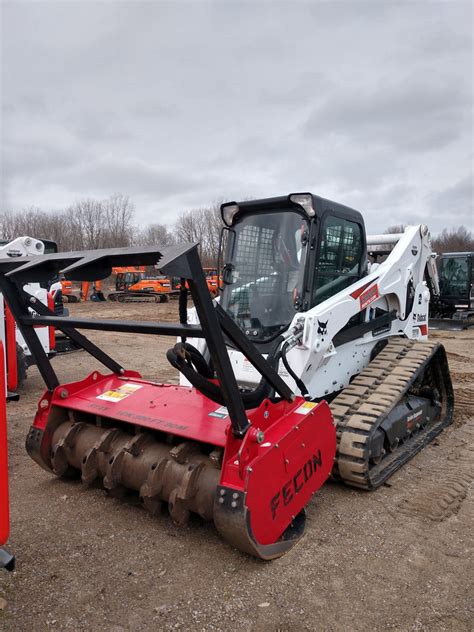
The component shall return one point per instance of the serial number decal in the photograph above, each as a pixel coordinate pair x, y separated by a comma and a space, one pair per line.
117, 394
369, 296
161, 423
293, 487
419, 318
413, 418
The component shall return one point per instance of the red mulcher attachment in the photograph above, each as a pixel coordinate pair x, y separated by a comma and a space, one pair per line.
248, 461
173, 444
7, 560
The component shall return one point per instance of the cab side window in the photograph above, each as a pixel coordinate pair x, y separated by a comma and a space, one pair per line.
454, 276
338, 263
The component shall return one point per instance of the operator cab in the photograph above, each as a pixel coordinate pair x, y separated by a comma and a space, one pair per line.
285, 255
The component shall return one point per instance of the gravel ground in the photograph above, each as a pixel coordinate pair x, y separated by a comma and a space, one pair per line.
399, 558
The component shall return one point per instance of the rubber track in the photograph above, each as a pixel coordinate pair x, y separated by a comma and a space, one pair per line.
361, 407
144, 298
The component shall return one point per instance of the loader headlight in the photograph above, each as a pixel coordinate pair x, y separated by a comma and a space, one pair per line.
305, 200
228, 212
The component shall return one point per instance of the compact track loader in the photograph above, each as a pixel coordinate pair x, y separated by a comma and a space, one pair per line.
310, 364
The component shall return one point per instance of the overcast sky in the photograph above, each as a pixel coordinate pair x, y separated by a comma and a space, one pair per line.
179, 104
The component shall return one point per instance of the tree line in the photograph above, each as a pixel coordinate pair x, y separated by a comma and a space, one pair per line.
90, 223
458, 239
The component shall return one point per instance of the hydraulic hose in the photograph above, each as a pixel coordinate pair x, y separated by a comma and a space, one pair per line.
299, 382
192, 364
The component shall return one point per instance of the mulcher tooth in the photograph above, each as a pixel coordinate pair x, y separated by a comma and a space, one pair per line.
124, 458
136, 443
90, 464
113, 476
59, 460
89, 467
106, 439
183, 451
151, 490
181, 495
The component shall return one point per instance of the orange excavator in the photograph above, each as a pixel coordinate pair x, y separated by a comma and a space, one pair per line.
133, 284
125, 278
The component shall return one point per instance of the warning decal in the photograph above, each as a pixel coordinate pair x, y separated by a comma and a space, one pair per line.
220, 413
369, 296
117, 394
305, 408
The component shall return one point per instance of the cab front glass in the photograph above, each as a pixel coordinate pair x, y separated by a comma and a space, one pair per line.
264, 272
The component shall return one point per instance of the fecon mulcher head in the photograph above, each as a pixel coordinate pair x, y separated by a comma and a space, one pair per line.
248, 460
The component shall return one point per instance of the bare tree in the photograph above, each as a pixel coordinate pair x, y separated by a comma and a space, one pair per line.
458, 239
119, 211
86, 218
396, 228
202, 226
35, 222
87, 224
154, 234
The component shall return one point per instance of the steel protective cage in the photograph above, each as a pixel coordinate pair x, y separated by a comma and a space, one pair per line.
183, 261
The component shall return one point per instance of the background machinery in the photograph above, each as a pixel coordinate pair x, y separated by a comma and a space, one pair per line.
213, 280
453, 304
312, 363
74, 293
17, 354
136, 285
71, 293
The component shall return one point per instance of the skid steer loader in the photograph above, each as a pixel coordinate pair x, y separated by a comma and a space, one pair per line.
311, 364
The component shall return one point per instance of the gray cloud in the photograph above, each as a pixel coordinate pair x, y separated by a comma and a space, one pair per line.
412, 114
181, 103
456, 200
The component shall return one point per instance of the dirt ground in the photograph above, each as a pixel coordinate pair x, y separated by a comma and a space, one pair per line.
399, 558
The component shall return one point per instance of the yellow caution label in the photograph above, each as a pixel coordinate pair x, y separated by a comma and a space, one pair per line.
305, 408
117, 394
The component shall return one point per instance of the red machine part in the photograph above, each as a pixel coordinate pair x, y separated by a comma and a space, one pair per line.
11, 357
52, 331
172, 444
4, 503
282, 461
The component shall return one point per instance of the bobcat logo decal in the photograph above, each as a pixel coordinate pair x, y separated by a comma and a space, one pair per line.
322, 328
